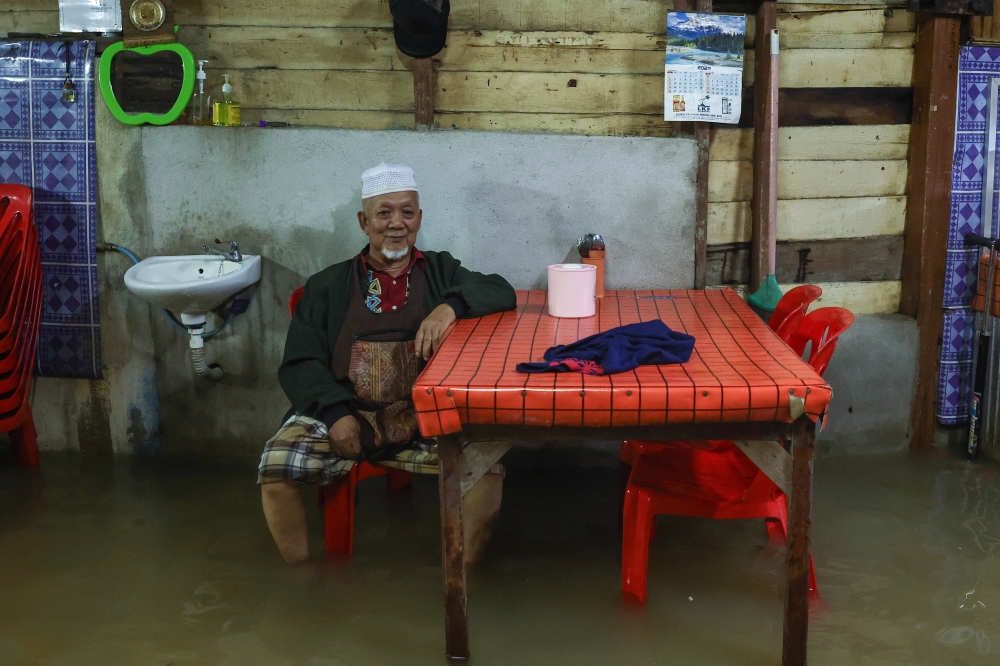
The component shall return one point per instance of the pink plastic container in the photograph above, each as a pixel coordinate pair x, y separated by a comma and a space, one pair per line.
572, 290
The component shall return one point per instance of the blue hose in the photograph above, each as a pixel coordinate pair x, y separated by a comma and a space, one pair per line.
170, 315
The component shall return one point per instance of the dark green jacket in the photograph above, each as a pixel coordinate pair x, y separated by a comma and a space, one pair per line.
305, 373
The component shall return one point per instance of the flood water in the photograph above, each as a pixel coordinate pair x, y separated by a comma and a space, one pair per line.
153, 562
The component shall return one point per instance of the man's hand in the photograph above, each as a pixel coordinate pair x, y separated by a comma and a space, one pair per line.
345, 438
433, 330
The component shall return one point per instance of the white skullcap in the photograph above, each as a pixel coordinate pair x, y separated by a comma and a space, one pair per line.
386, 178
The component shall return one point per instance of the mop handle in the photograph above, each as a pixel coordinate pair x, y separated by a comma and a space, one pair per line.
991, 244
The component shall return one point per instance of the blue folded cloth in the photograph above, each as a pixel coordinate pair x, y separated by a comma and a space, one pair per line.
617, 350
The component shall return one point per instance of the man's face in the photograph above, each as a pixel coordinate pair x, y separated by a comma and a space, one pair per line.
391, 222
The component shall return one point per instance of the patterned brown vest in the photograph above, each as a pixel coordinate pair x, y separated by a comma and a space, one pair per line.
376, 352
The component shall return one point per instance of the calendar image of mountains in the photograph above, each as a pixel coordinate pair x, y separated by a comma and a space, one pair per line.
704, 67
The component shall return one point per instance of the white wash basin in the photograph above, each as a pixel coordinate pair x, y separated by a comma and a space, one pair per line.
192, 284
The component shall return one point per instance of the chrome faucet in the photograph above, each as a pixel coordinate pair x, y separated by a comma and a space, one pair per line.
232, 255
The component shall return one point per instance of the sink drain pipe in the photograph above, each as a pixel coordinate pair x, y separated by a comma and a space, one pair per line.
195, 325
192, 325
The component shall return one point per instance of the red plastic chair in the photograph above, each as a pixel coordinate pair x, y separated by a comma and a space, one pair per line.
709, 484
20, 308
23, 286
338, 498
21, 294
293, 300
18, 263
712, 479
786, 316
792, 308
820, 329
21, 290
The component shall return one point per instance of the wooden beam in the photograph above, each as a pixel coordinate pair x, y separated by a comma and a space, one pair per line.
844, 106
951, 7
834, 260
811, 58
702, 134
986, 28
883, 106
812, 219
29, 20
797, 547
423, 93
764, 229
808, 179
935, 78
772, 459
456, 627
858, 297
849, 142
580, 95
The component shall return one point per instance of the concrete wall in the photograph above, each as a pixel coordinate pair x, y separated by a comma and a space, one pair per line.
507, 203
501, 202
874, 376
291, 195
119, 413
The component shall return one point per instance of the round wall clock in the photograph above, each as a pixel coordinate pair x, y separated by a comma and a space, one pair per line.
147, 15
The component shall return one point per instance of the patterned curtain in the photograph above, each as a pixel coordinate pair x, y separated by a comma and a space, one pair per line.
47, 143
977, 65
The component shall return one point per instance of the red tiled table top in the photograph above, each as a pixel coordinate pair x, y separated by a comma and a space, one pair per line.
739, 371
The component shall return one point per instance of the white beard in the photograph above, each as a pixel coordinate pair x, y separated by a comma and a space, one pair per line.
393, 255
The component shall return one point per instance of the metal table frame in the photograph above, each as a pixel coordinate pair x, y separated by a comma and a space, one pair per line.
458, 472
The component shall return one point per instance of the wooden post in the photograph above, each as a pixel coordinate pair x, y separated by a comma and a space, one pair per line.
456, 625
765, 150
423, 92
935, 81
702, 134
796, 630
986, 28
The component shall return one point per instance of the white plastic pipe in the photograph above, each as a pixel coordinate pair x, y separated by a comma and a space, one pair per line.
196, 325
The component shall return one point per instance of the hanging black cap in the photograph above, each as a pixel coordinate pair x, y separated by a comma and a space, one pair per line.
420, 26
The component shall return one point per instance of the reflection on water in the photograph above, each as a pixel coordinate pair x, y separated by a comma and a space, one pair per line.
157, 562
969, 601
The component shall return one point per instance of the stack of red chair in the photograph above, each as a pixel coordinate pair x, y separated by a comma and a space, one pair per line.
20, 311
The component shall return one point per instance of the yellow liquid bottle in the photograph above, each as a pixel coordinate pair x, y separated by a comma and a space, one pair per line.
226, 112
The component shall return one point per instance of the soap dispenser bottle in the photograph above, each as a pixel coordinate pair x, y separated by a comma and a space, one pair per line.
201, 104
226, 112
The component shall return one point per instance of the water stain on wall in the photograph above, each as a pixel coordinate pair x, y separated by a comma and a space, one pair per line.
141, 440
93, 426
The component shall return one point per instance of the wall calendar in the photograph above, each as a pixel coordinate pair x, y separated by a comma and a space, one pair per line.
704, 67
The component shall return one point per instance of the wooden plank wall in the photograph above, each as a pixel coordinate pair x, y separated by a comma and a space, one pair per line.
596, 67
842, 175
986, 29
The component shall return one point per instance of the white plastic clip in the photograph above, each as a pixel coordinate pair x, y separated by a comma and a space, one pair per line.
796, 405
774, 42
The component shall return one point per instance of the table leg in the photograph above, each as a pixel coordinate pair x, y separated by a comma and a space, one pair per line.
797, 556
452, 547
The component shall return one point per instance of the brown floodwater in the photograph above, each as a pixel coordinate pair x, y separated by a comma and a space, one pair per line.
158, 562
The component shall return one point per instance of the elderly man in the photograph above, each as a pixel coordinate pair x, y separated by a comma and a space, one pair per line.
360, 335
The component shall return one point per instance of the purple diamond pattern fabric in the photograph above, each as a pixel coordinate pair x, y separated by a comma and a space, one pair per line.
977, 65
47, 143
956, 366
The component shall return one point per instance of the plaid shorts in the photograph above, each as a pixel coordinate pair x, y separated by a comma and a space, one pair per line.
300, 451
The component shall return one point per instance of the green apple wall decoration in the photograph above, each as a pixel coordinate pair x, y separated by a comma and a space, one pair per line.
108, 93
